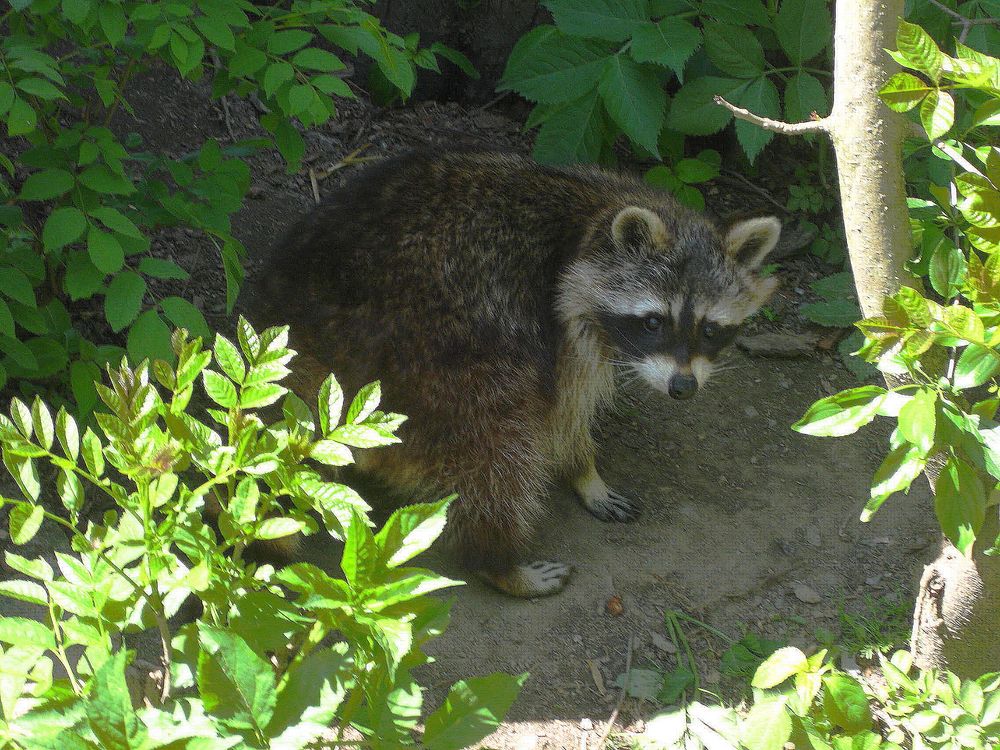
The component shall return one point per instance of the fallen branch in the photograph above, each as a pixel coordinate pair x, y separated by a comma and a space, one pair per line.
820, 125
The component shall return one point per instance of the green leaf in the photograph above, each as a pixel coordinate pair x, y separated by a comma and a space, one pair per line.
105, 251
669, 43
63, 226
895, 474
845, 703
21, 631
804, 94
634, 99
312, 692
574, 132
976, 366
364, 403
694, 111
220, 389
330, 403
768, 725
115, 220
113, 22
183, 314
159, 268
411, 530
235, 684
937, 113
843, 413
25, 591
276, 528
41, 88
82, 376
15, 285
947, 270
779, 666
694, 171
734, 50
314, 58
41, 421
45, 185
837, 313
229, 359
68, 434
21, 118
903, 92
283, 42
361, 554
93, 452
149, 338
918, 50
960, 504
548, 66
761, 98
109, 709
25, 521
803, 28
749, 12
100, 179
917, 419
123, 300
614, 20
216, 31
456, 58
6, 320
472, 711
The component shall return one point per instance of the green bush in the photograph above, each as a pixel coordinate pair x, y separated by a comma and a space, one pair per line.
279, 657
604, 68
944, 340
78, 225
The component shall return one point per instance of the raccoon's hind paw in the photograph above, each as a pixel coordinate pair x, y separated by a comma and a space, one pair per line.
530, 579
614, 507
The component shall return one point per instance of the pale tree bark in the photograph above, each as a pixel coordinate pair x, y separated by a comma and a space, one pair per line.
957, 611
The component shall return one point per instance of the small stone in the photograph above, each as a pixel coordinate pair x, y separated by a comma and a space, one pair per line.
713, 676
779, 345
806, 593
577, 638
873, 580
813, 537
751, 412
586, 725
661, 642
754, 460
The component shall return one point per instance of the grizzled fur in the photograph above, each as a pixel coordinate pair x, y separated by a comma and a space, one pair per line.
492, 297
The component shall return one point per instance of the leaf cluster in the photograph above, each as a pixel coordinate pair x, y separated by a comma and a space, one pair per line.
606, 66
81, 224
279, 657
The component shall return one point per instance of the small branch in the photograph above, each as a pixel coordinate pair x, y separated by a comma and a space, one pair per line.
621, 698
960, 20
822, 125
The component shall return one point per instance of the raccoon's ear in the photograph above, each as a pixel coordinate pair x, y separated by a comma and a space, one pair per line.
748, 242
634, 227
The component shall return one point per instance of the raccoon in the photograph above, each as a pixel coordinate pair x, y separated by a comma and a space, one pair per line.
495, 299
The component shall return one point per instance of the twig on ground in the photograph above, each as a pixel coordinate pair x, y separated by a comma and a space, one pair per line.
621, 698
819, 125
315, 185
350, 160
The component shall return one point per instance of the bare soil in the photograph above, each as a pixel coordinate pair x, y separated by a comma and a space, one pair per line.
746, 524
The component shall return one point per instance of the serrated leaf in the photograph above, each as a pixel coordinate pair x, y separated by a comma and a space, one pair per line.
895, 474
220, 389
64, 225
845, 703
276, 528
804, 94
472, 711
634, 99
960, 504
975, 366
42, 424
768, 725
46, 185
364, 403
105, 251
760, 97
734, 50
549, 66
229, 359
803, 28
25, 591
779, 666
843, 413
614, 20
411, 530
123, 299
149, 338
109, 710
903, 92
937, 113
919, 50
21, 631
670, 43
235, 684
917, 419
574, 132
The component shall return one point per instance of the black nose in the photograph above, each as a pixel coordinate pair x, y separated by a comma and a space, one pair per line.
683, 386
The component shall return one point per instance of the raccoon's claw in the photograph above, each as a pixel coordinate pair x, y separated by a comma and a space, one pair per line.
529, 580
614, 507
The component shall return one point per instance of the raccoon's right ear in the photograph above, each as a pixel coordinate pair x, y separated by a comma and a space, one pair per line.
638, 227
748, 242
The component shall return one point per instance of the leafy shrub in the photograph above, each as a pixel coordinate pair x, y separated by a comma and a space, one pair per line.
681, 178
279, 657
603, 69
79, 225
808, 702
945, 342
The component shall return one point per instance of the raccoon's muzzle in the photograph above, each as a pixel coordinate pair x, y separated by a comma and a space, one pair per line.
682, 386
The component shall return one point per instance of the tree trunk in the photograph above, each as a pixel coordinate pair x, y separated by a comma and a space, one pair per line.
957, 613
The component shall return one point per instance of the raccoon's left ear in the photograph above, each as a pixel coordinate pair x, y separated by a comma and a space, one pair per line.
748, 242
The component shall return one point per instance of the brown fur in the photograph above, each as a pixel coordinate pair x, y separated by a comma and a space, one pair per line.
463, 282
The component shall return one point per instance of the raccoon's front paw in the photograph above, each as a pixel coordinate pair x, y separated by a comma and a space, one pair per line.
531, 579
613, 507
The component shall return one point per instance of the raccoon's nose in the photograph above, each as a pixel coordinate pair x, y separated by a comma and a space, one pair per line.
683, 386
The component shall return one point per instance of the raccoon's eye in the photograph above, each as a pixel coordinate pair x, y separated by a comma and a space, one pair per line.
710, 330
652, 323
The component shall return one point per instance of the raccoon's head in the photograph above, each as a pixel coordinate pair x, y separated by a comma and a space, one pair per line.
668, 290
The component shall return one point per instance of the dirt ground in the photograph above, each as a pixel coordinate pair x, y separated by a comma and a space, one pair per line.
745, 525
